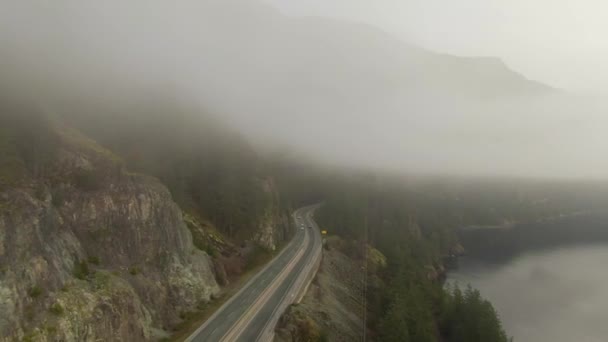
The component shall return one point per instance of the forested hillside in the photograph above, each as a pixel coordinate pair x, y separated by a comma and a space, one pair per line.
228, 193
414, 222
417, 239
211, 171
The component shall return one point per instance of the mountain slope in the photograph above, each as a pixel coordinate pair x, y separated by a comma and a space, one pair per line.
279, 78
212, 172
322, 54
89, 250
165, 259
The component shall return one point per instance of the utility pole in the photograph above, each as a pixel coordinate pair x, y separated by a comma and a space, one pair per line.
365, 233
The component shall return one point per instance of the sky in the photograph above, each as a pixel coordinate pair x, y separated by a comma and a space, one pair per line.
341, 91
559, 42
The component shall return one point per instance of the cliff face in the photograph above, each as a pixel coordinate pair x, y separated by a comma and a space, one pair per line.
89, 251
275, 224
212, 173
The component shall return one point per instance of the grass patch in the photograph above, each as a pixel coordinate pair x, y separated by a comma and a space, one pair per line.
210, 250
30, 337
81, 270
51, 329
202, 305
102, 280
56, 309
134, 270
93, 260
185, 315
35, 291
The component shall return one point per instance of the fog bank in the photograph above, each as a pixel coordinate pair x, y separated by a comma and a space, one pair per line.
344, 92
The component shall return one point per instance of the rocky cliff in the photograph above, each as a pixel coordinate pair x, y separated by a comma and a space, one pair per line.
274, 226
88, 250
211, 171
91, 250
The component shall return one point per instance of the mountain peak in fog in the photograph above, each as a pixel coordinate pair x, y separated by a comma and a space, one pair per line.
344, 92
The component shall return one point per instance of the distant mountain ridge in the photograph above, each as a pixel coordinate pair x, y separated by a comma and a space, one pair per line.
278, 79
303, 53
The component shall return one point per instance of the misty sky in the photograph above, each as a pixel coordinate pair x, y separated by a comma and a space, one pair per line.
559, 42
337, 90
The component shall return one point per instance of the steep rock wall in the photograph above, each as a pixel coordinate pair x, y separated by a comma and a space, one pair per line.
91, 252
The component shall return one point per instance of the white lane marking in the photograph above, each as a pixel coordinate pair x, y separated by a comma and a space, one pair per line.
238, 328
267, 333
241, 291
235, 332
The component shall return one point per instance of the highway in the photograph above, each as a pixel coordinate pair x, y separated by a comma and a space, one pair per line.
252, 313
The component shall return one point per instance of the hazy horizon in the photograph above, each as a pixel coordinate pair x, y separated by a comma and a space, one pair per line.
557, 43
341, 92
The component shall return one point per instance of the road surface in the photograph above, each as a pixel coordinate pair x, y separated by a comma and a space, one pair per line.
251, 314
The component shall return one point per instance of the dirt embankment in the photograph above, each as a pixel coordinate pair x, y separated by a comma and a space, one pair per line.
333, 307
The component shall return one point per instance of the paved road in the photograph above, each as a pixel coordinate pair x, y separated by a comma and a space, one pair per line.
250, 315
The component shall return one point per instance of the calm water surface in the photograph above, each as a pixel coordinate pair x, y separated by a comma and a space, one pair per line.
558, 295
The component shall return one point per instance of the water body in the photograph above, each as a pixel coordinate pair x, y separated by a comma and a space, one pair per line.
549, 295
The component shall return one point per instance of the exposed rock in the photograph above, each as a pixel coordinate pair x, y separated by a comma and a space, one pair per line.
91, 252
332, 308
275, 225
